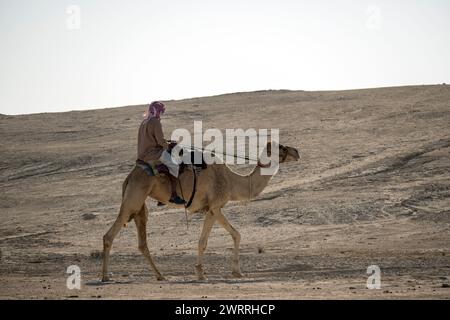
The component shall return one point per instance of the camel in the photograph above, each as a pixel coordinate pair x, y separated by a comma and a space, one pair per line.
216, 185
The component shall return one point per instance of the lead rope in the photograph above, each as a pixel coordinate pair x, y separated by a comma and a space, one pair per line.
250, 188
214, 153
185, 209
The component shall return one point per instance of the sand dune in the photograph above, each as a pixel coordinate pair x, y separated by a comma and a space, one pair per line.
372, 187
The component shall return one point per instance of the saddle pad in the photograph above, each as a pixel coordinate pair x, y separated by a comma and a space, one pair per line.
152, 169
147, 168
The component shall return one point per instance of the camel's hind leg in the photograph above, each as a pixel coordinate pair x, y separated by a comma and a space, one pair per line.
223, 221
141, 224
202, 243
108, 239
132, 203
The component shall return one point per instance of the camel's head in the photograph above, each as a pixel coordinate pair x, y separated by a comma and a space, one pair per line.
286, 154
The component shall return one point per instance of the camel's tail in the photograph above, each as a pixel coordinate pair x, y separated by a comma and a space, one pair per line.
125, 184
124, 188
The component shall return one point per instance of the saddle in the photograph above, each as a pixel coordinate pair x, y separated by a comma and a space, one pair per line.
153, 168
157, 168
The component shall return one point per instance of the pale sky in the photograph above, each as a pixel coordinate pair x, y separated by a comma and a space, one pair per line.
132, 52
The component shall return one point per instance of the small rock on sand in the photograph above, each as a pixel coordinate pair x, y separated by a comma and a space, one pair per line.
89, 216
96, 254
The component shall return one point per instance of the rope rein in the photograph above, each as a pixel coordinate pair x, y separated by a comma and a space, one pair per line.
223, 154
185, 209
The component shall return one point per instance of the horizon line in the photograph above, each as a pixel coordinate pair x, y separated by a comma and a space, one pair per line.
96, 108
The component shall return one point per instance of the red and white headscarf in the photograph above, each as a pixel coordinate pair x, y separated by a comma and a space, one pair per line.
155, 110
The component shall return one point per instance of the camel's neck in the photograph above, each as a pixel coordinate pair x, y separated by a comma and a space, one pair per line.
249, 186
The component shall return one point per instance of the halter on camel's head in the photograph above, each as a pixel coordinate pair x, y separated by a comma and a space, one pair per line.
285, 153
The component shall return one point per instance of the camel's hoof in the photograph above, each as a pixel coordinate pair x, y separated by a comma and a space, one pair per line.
237, 274
202, 277
107, 277
200, 273
161, 278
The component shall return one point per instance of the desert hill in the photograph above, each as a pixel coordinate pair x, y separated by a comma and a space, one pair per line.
372, 187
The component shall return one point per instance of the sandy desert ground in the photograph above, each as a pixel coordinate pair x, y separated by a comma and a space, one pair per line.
372, 187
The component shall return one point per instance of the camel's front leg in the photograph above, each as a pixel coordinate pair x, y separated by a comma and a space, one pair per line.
236, 269
207, 226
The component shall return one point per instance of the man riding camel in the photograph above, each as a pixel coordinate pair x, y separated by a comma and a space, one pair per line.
152, 146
